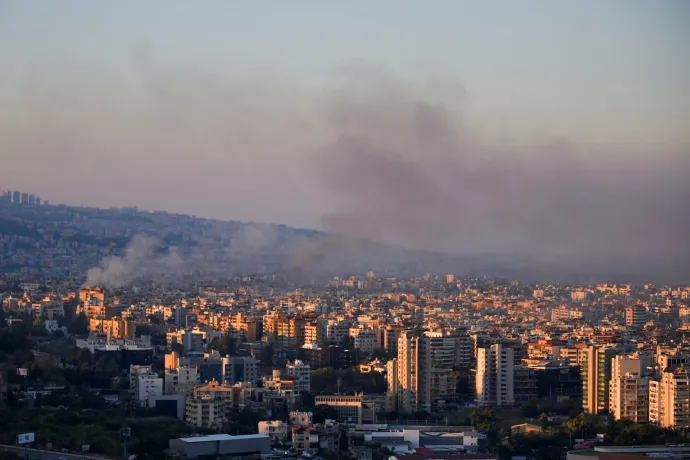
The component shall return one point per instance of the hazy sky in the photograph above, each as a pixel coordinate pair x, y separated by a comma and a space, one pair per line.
231, 108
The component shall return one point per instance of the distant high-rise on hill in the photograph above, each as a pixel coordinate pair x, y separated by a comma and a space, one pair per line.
18, 197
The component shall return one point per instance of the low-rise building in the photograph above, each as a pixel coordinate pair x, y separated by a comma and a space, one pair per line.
275, 429
222, 444
349, 407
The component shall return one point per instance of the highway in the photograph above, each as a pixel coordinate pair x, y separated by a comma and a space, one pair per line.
36, 454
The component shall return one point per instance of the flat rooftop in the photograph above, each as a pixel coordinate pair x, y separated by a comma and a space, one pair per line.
223, 437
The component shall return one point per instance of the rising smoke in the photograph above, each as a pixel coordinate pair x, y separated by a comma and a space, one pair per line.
408, 172
143, 257
372, 157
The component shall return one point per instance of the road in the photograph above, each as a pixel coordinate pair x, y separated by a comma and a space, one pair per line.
36, 454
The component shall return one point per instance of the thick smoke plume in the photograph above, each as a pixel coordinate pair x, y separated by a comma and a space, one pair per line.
408, 171
144, 257
370, 156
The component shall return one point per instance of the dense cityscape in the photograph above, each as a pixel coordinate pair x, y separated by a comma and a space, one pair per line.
344, 230
161, 363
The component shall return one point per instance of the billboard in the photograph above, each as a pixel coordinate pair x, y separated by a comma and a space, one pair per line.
22, 371
85, 447
25, 438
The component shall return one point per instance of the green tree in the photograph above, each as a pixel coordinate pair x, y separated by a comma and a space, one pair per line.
323, 412
79, 325
530, 410
575, 425
177, 348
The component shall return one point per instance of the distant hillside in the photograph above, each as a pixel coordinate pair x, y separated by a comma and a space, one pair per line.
114, 246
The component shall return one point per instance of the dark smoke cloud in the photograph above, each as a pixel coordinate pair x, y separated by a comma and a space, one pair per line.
408, 172
378, 157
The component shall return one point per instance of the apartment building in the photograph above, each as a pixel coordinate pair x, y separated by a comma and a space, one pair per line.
636, 316
413, 362
148, 384
669, 398
596, 373
305, 439
275, 429
495, 378
302, 373
134, 371
313, 333
629, 389
209, 405
239, 369
181, 379
365, 341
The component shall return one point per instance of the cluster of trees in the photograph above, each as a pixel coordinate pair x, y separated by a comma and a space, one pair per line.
351, 381
556, 438
99, 427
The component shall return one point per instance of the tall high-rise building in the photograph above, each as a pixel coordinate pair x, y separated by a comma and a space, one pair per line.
636, 316
16, 197
390, 338
451, 348
596, 373
421, 380
392, 376
669, 398
411, 389
495, 378
629, 389
25, 198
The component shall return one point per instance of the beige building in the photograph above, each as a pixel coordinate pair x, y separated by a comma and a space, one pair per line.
495, 378
421, 376
629, 389
208, 405
181, 379
275, 429
636, 316
412, 365
313, 333
302, 373
669, 398
596, 373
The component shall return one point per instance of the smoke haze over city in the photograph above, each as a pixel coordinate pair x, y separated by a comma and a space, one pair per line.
556, 147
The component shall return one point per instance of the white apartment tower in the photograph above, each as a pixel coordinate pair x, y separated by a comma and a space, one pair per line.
669, 398
412, 361
495, 380
628, 389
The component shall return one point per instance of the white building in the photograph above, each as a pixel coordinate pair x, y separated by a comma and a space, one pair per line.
134, 371
495, 380
181, 379
275, 429
365, 341
300, 418
148, 385
628, 389
669, 399
302, 371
